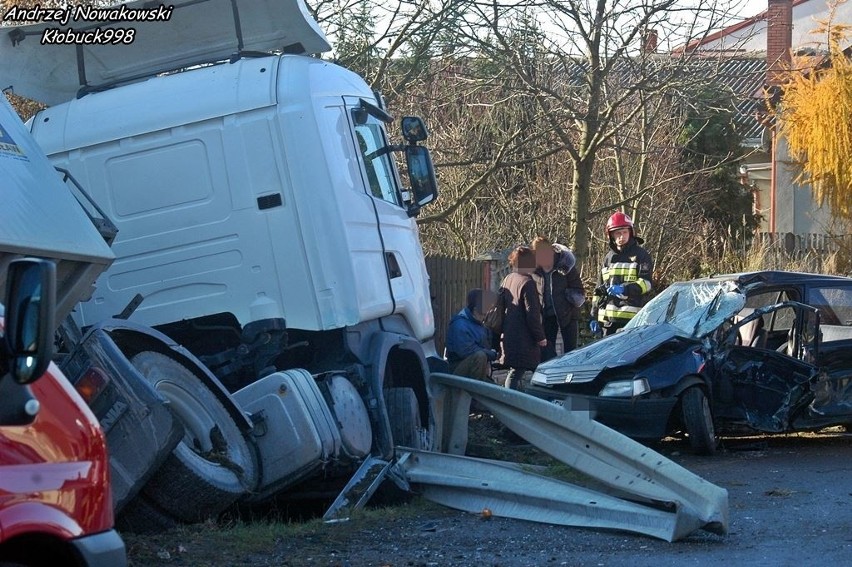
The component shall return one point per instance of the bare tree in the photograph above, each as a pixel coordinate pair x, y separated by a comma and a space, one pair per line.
592, 47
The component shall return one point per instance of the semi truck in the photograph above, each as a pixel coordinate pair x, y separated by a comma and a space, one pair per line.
269, 291
55, 500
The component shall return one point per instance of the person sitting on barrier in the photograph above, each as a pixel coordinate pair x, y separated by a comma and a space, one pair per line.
469, 351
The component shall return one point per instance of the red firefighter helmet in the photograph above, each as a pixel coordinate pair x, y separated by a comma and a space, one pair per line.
619, 220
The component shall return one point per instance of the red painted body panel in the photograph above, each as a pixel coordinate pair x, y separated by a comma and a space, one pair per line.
54, 473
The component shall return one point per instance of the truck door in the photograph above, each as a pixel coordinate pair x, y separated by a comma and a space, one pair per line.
404, 263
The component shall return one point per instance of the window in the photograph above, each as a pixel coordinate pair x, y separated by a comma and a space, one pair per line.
776, 320
834, 304
380, 177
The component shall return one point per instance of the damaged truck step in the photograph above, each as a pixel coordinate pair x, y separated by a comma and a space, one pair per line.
361, 487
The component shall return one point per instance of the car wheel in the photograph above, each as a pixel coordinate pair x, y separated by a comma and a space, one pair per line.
698, 420
212, 466
404, 416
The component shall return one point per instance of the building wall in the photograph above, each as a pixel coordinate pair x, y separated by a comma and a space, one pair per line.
796, 208
752, 35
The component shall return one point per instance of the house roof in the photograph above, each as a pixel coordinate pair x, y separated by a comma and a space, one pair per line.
750, 34
740, 77
740, 53
745, 76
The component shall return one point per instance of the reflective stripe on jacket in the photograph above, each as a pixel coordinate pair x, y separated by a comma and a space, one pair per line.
632, 268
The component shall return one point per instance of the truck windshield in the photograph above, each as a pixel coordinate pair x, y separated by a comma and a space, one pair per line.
380, 173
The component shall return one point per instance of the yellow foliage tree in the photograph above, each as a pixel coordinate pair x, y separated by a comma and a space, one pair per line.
815, 116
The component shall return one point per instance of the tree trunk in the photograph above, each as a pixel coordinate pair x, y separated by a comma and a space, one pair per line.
579, 222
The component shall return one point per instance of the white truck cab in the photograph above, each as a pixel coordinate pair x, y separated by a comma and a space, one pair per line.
267, 255
261, 198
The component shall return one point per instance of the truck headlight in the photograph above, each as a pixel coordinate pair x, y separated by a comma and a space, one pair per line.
625, 388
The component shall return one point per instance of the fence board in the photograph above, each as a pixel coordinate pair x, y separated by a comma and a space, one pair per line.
801, 243
449, 281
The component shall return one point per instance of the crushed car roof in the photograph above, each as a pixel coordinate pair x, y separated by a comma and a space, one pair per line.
776, 277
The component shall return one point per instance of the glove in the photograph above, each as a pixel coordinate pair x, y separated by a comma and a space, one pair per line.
491, 354
595, 327
616, 290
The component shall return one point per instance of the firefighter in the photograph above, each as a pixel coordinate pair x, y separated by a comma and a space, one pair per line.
624, 283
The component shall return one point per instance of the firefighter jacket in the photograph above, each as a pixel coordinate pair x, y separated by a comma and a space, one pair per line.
632, 268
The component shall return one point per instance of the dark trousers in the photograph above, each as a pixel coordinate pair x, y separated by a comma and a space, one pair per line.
569, 336
476, 366
516, 379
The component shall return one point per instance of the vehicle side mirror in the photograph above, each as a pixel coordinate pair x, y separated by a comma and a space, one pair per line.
20, 406
30, 305
414, 129
421, 175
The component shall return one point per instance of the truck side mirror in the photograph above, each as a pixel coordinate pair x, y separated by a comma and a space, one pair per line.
421, 175
414, 129
30, 305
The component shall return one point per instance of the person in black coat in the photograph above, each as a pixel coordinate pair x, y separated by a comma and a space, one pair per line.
561, 293
523, 334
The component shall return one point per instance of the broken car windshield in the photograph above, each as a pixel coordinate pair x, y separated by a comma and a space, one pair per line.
695, 308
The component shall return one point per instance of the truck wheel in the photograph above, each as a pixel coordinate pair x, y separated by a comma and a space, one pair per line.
698, 420
404, 416
212, 466
140, 516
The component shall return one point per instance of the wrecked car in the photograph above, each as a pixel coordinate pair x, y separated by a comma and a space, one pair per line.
763, 351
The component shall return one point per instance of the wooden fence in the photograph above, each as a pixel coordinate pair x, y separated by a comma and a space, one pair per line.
449, 281
794, 244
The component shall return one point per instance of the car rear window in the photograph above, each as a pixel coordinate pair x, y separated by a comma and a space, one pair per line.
834, 303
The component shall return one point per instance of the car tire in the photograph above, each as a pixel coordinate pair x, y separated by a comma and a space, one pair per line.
404, 416
698, 420
140, 516
212, 466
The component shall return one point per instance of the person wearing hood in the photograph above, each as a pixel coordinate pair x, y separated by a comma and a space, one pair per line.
469, 351
561, 293
624, 284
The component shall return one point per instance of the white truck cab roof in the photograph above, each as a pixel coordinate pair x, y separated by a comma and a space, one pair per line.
196, 32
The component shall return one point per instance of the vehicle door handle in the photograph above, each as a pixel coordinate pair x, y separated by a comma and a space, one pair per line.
394, 271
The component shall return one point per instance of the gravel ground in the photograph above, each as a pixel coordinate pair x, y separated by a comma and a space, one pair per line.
790, 504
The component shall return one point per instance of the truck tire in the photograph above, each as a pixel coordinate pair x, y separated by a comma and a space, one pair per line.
404, 416
140, 516
698, 420
213, 465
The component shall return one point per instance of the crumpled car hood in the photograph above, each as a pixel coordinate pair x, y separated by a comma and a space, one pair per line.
621, 349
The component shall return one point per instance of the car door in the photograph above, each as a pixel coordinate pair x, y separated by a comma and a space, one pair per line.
775, 326
833, 391
765, 388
